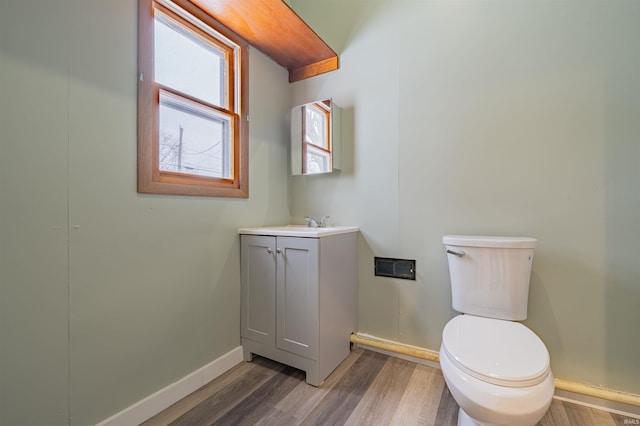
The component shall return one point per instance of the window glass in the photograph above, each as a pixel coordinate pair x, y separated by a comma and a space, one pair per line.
188, 63
194, 139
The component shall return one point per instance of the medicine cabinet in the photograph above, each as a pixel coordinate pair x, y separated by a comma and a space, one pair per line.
316, 138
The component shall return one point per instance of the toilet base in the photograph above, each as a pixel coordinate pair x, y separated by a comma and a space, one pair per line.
494, 405
465, 420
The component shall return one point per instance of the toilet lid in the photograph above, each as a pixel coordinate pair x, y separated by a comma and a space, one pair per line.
496, 351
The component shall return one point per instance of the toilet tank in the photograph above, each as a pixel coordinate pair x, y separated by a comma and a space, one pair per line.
490, 275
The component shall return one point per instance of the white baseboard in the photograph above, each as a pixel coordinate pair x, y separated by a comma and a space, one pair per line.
164, 398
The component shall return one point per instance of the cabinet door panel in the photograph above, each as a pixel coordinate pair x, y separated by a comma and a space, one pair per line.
258, 288
297, 296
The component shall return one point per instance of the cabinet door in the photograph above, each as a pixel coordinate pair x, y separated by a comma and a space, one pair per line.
258, 277
297, 296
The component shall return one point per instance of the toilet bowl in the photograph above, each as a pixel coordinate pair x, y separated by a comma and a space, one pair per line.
496, 370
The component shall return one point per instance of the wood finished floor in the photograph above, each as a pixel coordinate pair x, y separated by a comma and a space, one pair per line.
368, 388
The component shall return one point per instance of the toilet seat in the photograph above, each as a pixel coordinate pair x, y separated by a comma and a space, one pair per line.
496, 351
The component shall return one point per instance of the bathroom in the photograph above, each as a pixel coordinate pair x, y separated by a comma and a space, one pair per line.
466, 117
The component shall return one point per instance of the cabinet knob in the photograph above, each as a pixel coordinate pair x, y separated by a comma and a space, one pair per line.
269, 250
278, 251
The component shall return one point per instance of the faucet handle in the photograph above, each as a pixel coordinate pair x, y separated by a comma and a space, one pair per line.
323, 221
312, 222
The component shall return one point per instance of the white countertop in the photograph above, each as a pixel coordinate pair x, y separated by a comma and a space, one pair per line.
298, 231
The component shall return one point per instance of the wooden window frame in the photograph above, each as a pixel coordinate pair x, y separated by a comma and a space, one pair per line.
150, 178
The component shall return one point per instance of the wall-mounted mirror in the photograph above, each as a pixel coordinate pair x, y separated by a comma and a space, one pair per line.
315, 138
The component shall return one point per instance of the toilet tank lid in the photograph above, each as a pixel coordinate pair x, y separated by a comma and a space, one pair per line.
482, 241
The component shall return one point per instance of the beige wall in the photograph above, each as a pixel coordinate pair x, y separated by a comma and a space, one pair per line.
108, 295
491, 117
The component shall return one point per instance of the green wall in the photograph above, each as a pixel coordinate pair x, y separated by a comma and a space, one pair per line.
106, 295
491, 117
487, 117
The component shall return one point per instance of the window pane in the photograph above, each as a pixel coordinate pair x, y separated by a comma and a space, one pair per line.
188, 63
194, 139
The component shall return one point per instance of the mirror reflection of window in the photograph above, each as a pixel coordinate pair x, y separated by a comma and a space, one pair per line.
317, 161
316, 153
315, 122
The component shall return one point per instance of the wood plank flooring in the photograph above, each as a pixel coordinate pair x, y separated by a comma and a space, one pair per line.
368, 388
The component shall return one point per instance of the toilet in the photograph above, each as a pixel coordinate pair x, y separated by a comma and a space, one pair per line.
496, 369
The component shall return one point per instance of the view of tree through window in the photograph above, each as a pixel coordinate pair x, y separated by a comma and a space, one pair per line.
193, 139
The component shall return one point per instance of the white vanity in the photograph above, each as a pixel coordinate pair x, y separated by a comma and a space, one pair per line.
299, 295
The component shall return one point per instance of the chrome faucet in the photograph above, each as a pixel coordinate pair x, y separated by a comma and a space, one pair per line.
314, 223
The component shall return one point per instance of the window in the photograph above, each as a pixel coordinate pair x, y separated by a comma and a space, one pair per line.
192, 122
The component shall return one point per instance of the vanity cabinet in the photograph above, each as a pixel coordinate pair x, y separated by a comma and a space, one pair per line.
299, 299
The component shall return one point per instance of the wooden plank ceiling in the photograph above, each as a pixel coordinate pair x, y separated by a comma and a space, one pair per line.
272, 27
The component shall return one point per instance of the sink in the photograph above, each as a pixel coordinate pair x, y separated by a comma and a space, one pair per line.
298, 231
